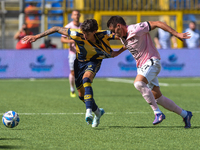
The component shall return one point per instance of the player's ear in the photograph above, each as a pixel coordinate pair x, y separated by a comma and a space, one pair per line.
94, 32
118, 25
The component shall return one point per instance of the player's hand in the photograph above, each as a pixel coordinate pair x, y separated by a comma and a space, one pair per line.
182, 36
29, 38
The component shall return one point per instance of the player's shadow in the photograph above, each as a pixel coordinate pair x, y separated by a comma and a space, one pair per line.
10, 139
10, 146
152, 127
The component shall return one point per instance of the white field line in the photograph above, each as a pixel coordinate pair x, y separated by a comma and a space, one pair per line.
109, 113
33, 79
161, 84
120, 80
130, 81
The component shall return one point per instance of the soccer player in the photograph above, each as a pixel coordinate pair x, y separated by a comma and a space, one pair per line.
93, 46
75, 24
137, 40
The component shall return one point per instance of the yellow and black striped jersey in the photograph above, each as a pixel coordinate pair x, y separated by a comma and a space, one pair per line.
86, 50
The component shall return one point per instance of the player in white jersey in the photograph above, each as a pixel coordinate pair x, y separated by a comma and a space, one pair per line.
75, 24
137, 40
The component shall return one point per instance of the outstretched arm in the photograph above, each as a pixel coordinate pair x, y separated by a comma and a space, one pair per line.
33, 38
164, 26
66, 40
116, 53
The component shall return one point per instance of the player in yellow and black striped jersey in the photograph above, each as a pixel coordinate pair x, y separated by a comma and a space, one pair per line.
92, 47
87, 50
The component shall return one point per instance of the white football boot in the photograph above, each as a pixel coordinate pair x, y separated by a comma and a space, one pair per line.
96, 120
88, 118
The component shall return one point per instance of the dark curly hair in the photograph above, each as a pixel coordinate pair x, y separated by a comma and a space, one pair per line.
89, 25
114, 20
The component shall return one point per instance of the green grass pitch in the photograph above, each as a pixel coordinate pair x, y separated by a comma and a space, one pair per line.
51, 120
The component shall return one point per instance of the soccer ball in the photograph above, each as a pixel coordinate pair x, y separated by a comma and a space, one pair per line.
10, 119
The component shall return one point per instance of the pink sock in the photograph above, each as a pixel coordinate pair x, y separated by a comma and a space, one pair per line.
147, 94
71, 82
169, 104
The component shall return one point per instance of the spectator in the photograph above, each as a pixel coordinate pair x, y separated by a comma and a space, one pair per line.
163, 39
47, 44
194, 41
24, 31
32, 18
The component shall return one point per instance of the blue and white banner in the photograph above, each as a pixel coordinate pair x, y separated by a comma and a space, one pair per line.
54, 64
175, 63
34, 63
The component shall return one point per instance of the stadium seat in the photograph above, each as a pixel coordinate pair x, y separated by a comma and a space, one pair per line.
45, 0
55, 18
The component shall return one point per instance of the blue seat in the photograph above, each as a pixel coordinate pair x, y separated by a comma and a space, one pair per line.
55, 18
56, 5
45, 0
70, 3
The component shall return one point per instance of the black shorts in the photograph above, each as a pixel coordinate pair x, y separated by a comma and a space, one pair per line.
81, 67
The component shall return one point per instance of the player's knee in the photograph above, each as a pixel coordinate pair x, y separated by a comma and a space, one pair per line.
86, 82
139, 85
160, 100
72, 73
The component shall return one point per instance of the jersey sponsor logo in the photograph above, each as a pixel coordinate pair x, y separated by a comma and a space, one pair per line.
132, 50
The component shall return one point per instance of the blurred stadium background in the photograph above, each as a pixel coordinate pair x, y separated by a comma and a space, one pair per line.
177, 13
40, 63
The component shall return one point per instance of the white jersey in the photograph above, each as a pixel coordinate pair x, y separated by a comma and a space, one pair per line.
193, 42
139, 43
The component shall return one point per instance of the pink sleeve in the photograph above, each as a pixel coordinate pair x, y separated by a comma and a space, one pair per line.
142, 28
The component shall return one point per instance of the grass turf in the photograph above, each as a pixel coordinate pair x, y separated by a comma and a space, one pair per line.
50, 119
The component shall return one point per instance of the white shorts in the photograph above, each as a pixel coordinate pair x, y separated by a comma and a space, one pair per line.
71, 58
150, 70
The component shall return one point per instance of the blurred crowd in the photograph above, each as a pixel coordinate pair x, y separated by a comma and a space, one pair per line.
162, 39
